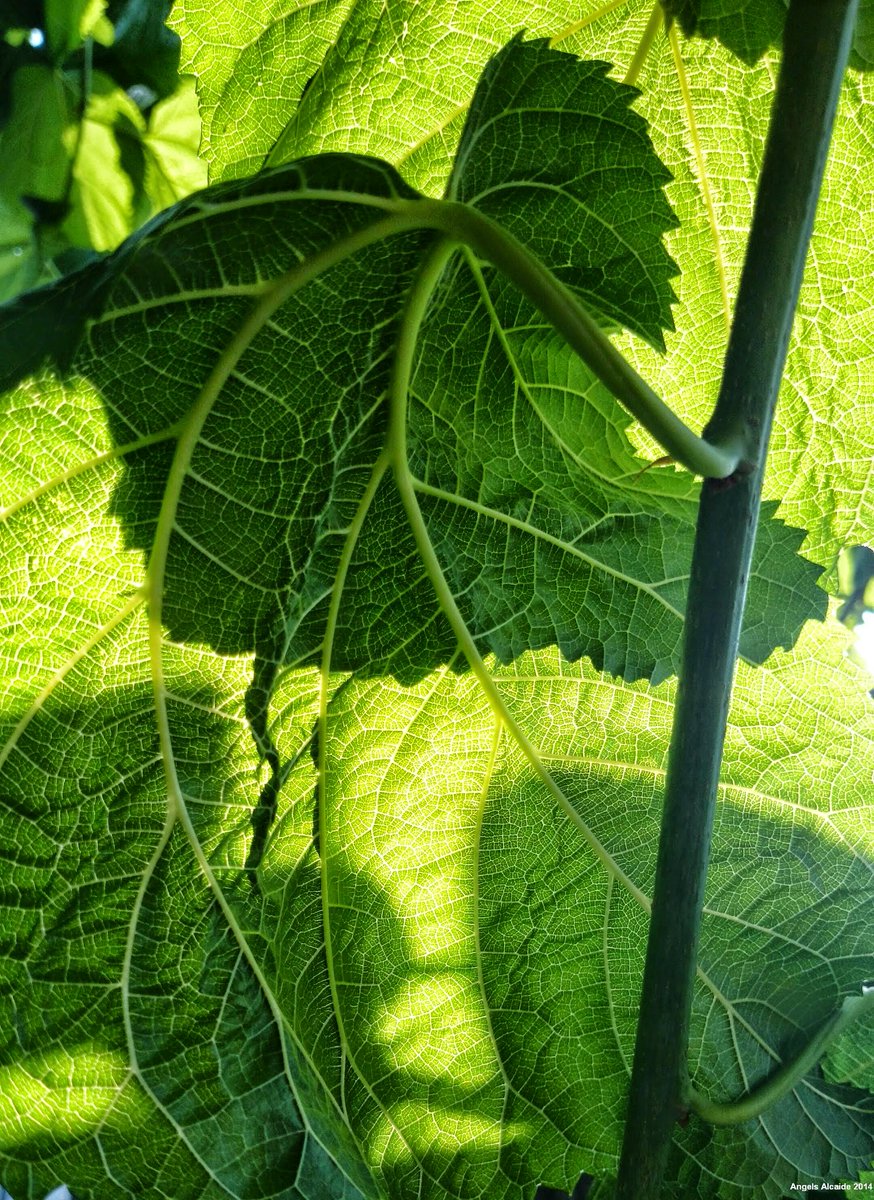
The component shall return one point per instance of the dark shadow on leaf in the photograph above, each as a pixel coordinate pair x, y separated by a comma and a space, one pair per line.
288, 448
580, 1192
84, 801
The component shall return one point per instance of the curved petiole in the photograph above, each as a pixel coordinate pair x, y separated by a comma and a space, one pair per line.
715, 459
788, 1075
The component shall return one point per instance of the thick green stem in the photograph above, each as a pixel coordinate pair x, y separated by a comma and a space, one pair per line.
816, 44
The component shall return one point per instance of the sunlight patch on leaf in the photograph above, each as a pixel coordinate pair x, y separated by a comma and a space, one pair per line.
67, 1092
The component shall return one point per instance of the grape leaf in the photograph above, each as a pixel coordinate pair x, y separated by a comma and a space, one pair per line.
353, 916
173, 168
284, 80
409, 108
589, 543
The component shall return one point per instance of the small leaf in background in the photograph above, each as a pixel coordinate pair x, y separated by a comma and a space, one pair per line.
87, 170
102, 193
173, 168
143, 50
129, 166
68, 22
35, 143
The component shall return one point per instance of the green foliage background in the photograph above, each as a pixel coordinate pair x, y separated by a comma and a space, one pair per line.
98, 131
300, 899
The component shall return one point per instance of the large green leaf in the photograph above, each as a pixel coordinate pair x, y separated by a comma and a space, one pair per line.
301, 901
591, 538
286, 79
398, 85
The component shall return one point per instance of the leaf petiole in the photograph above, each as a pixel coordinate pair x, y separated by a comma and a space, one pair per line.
653, 25
789, 1075
715, 459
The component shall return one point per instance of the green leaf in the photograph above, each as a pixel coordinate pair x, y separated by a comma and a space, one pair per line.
173, 168
101, 176
143, 50
294, 79
127, 168
187, 1051
32, 143
591, 207
707, 114
102, 194
591, 539
301, 901
749, 28
68, 22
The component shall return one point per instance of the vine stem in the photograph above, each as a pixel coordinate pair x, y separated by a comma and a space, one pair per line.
817, 40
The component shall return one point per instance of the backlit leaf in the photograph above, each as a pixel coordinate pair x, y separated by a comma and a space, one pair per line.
329, 846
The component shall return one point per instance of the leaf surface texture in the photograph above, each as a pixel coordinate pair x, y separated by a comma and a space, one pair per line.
361, 914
